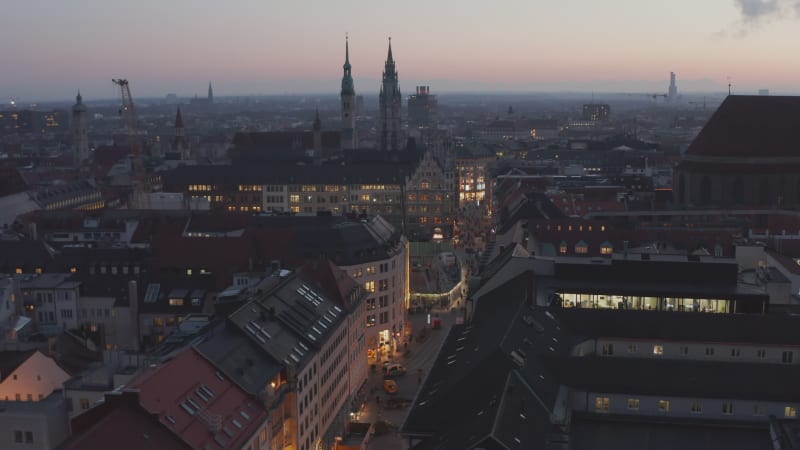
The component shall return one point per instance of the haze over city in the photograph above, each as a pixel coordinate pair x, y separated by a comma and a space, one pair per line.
255, 47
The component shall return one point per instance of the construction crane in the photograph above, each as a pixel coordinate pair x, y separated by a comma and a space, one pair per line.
140, 199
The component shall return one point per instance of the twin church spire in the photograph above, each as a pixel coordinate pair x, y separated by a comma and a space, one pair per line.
390, 104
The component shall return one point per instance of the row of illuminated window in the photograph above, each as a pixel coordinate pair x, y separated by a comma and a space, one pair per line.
425, 197
616, 301
603, 404
200, 187
787, 356
169, 321
252, 208
342, 188
371, 269
297, 198
77, 200
424, 220
471, 195
549, 227
250, 187
424, 209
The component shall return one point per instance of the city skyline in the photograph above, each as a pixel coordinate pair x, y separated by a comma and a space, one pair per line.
250, 48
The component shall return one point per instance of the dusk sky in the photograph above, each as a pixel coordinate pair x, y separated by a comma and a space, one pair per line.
53, 48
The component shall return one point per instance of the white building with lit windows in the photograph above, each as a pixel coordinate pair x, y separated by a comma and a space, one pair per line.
383, 272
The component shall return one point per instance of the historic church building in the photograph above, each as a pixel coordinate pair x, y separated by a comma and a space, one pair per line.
391, 102
745, 157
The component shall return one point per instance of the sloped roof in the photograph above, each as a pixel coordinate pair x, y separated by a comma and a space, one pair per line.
164, 390
11, 359
751, 126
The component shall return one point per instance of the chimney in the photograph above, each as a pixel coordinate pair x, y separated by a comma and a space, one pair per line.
275, 266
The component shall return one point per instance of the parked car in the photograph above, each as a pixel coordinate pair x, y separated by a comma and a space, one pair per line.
393, 370
390, 386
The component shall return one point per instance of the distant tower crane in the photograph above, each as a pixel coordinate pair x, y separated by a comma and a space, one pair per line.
140, 197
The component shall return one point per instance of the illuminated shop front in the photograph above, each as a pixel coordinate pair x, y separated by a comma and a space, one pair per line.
653, 303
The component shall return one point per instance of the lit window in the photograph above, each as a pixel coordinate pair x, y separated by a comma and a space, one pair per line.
18, 270
602, 403
727, 408
663, 405
38, 270
176, 302
790, 411
633, 404
696, 407
608, 349
658, 349
369, 286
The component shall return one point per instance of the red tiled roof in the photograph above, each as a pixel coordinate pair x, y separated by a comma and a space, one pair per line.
750, 126
121, 426
163, 390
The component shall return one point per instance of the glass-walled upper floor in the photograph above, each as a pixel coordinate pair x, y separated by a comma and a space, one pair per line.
654, 303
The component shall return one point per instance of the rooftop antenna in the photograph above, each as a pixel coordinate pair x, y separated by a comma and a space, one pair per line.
729, 85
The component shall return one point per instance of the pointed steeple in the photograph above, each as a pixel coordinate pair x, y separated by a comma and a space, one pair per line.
179, 120
347, 77
390, 101
346, 52
78, 106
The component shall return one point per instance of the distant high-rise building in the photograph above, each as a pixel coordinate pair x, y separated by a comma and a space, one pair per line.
210, 93
763, 92
79, 127
391, 104
673, 88
422, 108
349, 138
596, 112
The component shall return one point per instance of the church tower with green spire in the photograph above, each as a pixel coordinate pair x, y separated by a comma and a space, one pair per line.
391, 102
348, 136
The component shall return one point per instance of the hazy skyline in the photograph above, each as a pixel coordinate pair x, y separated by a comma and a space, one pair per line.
257, 47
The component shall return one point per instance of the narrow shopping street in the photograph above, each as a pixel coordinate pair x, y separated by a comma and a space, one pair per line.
418, 361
